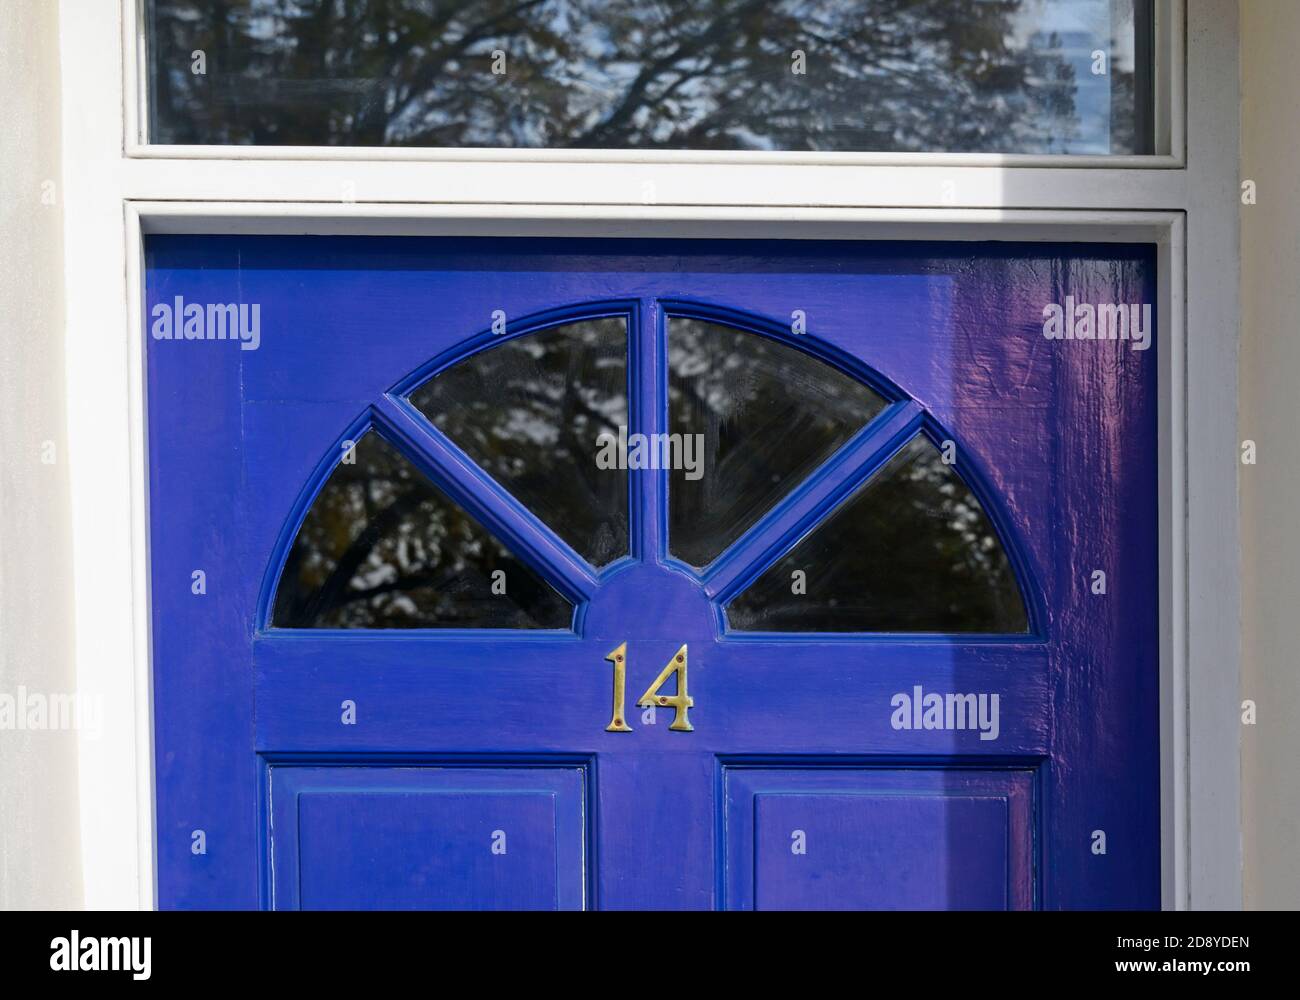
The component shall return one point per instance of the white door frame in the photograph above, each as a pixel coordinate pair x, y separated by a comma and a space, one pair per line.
1184, 200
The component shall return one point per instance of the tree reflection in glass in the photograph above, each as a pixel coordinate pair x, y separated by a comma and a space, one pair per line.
769, 415
1011, 76
530, 411
911, 551
380, 547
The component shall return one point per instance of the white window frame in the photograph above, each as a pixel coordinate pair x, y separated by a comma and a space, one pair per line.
1184, 200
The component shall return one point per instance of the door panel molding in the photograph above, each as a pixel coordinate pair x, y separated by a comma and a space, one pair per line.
872, 785
569, 779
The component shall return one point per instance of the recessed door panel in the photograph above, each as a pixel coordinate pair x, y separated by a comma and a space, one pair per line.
455, 838
879, 839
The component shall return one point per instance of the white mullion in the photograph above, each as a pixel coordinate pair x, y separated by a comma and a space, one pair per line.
628, 184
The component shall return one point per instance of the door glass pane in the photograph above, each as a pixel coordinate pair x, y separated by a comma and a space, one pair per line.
767, 416
381, 547
1004, 76
911, 551
530, 412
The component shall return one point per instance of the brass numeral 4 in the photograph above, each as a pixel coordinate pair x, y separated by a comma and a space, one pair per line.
682, 701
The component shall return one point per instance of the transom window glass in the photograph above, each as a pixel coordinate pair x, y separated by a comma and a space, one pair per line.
1005, 76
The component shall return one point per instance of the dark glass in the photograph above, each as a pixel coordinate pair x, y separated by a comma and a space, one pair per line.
382, 548
769, 415
530, 410
1002, 76
911, 551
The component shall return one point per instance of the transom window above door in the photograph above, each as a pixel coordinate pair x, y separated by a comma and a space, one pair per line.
741, 427
1011, 76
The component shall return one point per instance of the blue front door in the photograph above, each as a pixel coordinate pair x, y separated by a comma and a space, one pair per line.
652, 574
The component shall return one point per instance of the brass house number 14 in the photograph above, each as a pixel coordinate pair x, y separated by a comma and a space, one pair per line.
682, 700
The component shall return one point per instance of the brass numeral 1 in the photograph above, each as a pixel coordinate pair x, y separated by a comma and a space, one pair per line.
618, 721
682, 700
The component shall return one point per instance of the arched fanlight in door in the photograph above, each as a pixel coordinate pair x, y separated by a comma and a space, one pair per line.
911, 549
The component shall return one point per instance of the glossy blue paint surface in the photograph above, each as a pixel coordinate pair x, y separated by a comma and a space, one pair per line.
425, 838
1057, 439
879, 838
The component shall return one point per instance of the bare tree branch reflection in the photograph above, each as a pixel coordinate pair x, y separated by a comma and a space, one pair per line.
956, 75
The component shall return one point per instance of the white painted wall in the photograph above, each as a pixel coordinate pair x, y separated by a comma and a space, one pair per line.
40, 863
1270, 415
